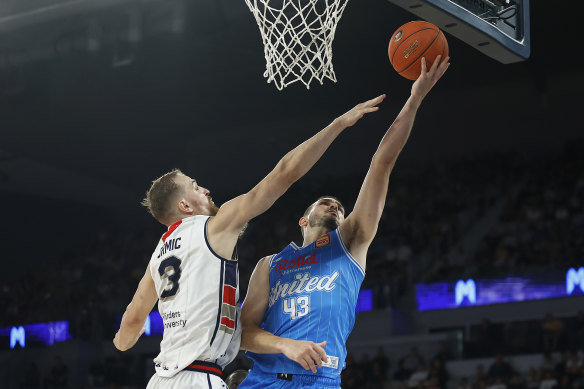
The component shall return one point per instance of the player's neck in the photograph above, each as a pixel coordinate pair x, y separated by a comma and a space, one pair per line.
312, 234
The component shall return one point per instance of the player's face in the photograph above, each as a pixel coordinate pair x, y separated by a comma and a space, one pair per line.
327, 213
198, 196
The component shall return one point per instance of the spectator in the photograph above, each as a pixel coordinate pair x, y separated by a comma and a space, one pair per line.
560, 367
365, 367
442, 353
464, 383
533, 380
432, 384
498, 384
548, 381
500, 369
479, 374
419, 376
574, 364
565, 382
552, 330
350, 375
516, 382
378, 377
439, 372
116, 371
548, 363
579, 330
485, 336
32, 377
382, 361
96, 374
58, 376
408, 364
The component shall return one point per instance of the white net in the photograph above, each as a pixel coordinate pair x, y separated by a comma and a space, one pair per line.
297, 37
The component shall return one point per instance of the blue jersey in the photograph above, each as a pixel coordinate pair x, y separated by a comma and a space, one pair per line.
313, 294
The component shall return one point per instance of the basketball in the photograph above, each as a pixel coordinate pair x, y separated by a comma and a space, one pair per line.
411, 42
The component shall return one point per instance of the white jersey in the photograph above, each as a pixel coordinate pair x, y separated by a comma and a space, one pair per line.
198, 293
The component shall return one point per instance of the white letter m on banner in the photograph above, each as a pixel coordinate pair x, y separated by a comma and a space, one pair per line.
17, 335
467, 289
574, 278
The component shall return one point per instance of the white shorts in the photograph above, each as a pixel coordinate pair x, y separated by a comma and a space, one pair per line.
187, 380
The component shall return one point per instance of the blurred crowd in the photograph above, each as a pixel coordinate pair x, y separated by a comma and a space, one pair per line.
561, 370
430, 208
541, 224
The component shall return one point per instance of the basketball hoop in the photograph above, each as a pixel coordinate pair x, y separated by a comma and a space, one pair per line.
297, 37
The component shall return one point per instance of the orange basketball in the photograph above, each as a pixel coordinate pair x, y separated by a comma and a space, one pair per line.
411, 42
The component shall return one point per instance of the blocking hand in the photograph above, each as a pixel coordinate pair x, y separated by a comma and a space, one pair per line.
352, 116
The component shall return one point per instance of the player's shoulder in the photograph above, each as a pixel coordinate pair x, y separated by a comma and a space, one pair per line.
191, 222
264, 261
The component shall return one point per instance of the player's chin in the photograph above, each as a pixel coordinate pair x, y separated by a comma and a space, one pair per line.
331, 222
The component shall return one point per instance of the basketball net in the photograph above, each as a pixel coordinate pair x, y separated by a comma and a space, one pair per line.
297, 37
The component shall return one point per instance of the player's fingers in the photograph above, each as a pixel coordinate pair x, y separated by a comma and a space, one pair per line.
436, 63
377, 99
316, 358
321, 352
443, 70
309, 363
445, 64
303, 363
424, 69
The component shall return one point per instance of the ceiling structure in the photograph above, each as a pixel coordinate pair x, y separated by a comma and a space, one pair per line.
98, 98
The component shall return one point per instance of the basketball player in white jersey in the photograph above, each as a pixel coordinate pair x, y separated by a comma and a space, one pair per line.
300, 305
193, 271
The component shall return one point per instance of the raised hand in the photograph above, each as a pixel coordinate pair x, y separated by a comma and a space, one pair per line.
308, 354
428, 78
352, 116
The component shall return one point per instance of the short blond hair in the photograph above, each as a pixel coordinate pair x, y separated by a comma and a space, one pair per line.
161, 195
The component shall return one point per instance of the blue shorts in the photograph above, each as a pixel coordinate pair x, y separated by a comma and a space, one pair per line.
257, 380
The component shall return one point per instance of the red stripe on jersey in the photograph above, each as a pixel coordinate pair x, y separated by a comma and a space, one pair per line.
205, 368
228, 322
171, 229
229, 295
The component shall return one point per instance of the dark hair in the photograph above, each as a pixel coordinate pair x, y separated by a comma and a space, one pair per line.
160, 196
311, 206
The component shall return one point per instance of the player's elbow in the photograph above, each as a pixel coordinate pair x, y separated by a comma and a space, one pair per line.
246, 343
132, 318
384, 161
287, 172
248, 330
121, 347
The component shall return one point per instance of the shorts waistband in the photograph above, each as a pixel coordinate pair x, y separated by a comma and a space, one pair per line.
205, 367
308, 379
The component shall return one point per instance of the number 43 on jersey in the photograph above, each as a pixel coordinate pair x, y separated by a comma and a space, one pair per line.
297, 306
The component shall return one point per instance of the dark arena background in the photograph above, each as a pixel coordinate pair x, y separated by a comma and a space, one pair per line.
474, 280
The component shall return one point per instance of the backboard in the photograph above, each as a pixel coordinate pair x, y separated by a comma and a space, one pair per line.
498, 28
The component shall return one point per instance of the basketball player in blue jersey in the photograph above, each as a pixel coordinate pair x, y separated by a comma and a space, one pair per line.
193, 274
306, 296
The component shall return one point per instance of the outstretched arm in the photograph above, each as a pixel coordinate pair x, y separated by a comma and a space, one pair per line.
253, 338
136, 313
224, 228
359, 229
